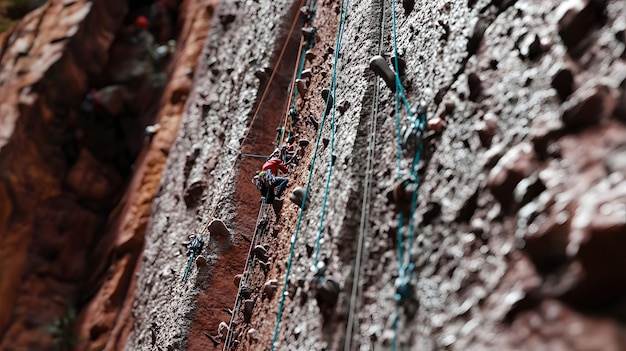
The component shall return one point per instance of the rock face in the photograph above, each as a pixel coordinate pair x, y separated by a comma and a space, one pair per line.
55, 193
516, 241
71, 232
516, 196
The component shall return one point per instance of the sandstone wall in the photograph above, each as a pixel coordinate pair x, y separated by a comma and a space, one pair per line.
46, 228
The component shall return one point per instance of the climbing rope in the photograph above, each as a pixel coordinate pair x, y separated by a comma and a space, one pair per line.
344, 10
365, 204
259, 230
333, 89
405, 270
293, 88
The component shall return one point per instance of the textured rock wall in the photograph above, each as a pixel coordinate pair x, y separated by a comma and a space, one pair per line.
199, 179
72, 218
46, 229
106, 319
521, 199
487, 254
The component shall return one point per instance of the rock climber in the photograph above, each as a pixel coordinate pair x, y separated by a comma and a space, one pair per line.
267, 179
195, 245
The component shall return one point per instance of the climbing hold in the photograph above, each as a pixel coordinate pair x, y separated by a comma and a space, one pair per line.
193, 193
436, 124
297, 197
310, 56
253, 334
237, 279
329, 101
408, 6
382, 69
308, 33
218, 229
486, 128
300, 84
265, 267
248, 307
277, 205
200, 261
327, 295
402, 195
151, 130
245, 291
223, 327
303, 142
314, 122
401, 65
305, 73
269, 288
261, 253
475, 86
319, 269
344, 106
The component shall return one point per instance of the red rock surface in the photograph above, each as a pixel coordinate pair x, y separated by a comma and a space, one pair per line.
65, 250
506, 249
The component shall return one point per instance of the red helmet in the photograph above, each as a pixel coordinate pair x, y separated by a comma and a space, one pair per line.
141, 22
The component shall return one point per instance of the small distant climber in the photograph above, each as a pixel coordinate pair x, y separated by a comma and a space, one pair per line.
139, 33
141, 23
267, 180
306, 15
195, 245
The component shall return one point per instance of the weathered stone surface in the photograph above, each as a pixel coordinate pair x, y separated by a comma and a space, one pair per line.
471, 286
91, 179
65, 170
577, 19
269, 288
588, 106
297, 196
218, 229
514, 166
248, 308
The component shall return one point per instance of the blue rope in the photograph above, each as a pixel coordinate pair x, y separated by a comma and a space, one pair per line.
295, 237
405, 270
298, 75
333, 88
